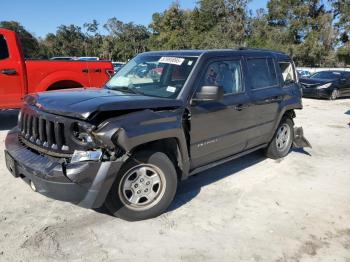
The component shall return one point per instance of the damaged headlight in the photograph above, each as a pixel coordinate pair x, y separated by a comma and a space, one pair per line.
80, 156
82, 134
324, 86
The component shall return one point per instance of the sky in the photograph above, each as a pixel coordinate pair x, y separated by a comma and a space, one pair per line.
43, 16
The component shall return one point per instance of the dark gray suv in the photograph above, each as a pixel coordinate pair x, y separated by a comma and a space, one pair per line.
163, 117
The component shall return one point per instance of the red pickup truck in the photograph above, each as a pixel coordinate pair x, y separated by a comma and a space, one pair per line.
19, 77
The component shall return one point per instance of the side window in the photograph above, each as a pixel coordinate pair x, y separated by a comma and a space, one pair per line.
227, 73
4, 51
262, 72
287, 72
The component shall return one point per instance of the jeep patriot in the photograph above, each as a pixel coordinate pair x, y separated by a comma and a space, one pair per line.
164, 116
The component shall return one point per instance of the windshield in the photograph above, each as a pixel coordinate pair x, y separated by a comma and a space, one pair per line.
153, 75
326, 75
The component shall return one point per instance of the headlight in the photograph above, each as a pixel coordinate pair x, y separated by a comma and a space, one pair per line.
324, 86
19, 117
81, 134
80, 156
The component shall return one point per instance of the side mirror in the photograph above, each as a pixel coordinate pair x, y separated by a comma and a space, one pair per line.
209, 93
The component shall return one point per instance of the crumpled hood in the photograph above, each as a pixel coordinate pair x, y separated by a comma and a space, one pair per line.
314, 82
82, 103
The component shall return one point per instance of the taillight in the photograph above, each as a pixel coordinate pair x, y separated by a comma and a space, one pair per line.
110, 72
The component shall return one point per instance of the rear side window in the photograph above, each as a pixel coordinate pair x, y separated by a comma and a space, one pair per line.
287, 72
4, 51
262, 72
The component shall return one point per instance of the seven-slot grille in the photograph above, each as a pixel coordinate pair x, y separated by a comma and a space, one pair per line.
43, 133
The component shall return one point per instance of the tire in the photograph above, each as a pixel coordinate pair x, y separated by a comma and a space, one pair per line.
280, 146
144, 188
334, 94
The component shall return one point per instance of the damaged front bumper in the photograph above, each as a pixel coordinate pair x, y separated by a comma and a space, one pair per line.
299, 140
83, 183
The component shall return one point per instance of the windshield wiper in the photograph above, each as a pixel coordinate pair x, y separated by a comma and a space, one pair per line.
126, 89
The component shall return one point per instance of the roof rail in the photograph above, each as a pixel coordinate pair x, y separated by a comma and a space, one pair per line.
260, 49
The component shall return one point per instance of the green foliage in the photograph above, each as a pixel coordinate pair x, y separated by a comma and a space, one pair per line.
170, 29
313, 32
29, 42
125, 39
343, 55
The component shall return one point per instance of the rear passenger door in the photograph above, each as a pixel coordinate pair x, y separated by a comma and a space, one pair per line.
266, 95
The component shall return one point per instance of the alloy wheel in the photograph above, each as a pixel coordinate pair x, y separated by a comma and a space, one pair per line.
283, 137
142, 187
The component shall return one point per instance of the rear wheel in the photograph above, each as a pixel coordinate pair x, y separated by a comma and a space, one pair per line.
281, 143
144, 188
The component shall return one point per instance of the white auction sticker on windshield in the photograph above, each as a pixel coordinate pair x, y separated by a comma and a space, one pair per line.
171, 89
171, 60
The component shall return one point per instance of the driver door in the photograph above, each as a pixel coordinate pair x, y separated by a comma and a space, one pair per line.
219, 128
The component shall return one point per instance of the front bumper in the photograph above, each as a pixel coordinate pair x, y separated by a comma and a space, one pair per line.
84, 183
316, 93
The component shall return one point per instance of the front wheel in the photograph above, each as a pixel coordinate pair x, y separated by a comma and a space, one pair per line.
145, 187
281, 142
334, 94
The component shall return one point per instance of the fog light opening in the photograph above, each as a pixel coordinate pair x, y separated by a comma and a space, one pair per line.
32, 186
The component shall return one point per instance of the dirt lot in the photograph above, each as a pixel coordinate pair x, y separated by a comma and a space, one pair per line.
251, 209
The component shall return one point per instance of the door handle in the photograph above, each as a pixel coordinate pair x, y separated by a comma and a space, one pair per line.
8, 72
240, 107
85, 70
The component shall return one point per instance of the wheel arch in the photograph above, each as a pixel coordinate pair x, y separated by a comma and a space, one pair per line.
171, 147
288, 112
64, 84
61, 77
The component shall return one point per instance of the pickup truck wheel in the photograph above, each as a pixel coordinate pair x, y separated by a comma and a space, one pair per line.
144, 188
282, 140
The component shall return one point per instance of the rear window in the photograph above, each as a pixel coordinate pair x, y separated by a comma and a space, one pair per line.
262, 72
4, 51
287, 71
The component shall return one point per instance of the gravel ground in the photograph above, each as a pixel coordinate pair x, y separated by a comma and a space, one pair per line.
251, 209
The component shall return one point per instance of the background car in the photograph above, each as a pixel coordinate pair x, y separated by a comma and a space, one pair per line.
88, 58
63, 58
117, 66
327, 84
303, 73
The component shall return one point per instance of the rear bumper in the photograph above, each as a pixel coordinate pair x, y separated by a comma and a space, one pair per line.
85, 184
316, 93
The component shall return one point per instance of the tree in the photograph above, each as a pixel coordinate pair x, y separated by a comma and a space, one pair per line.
231, 24
169, 29
29, 42
302, 28
125, 40
93, 39
341, 13
312, 32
